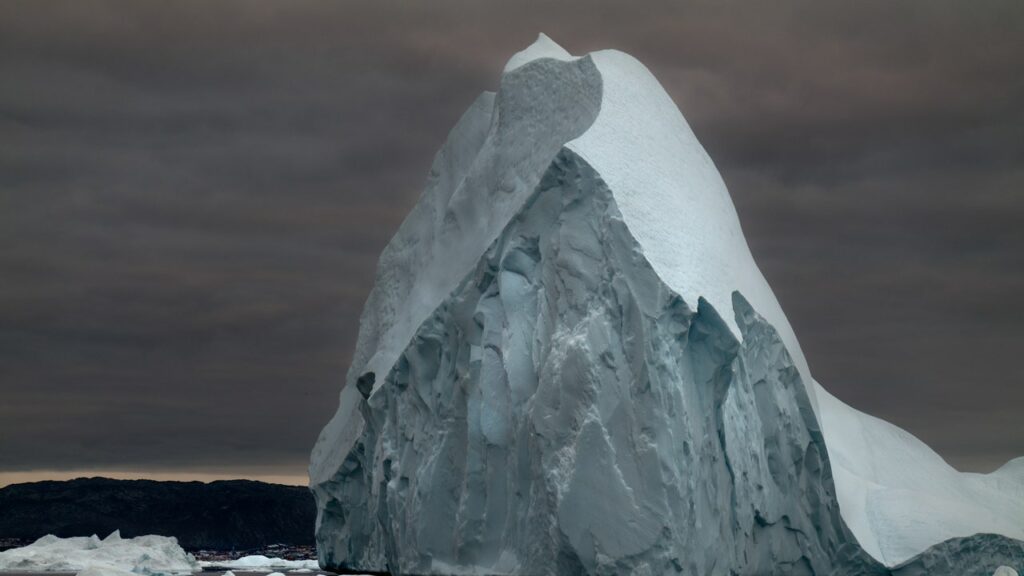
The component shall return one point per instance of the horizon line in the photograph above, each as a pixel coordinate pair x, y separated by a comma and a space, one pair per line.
8, 478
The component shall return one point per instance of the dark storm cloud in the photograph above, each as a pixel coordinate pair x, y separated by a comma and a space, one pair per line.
193, 195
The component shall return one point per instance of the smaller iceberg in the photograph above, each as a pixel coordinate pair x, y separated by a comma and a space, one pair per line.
147, 555
261, 562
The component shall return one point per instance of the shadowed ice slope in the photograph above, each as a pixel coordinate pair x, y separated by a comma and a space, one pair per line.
564, 412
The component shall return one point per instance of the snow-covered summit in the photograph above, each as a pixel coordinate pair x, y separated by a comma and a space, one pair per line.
575, 252
670, 194
672, 197
543, 47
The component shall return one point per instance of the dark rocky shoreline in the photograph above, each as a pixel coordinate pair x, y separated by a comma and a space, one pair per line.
229, 516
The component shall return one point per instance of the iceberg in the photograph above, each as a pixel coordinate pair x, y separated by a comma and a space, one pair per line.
571, 364
146, 555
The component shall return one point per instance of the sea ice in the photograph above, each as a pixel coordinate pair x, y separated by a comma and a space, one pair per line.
259, 561
148, 555
106, 571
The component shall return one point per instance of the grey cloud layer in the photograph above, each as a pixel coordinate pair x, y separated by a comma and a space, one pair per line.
192, 198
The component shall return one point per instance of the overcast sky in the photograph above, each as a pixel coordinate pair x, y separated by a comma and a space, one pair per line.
193, 196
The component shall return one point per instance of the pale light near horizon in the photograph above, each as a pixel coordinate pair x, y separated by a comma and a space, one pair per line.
18, 477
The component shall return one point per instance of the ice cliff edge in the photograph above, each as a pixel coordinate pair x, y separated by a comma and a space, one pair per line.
570, 363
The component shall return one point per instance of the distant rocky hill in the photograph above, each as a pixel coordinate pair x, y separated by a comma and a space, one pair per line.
222, 515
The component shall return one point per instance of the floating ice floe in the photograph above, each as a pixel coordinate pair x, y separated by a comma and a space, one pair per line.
111, 556
104, 571
258, 562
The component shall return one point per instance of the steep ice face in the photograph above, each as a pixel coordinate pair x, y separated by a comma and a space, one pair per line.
482, 426
474, 189
492, 161
563, 411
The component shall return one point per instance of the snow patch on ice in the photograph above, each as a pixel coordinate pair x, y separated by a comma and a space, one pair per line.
899, 497
1014, 470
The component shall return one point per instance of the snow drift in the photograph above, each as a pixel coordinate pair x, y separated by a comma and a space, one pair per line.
148, 555
570, 363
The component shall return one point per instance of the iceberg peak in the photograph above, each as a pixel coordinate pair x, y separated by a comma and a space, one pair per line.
542, 47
